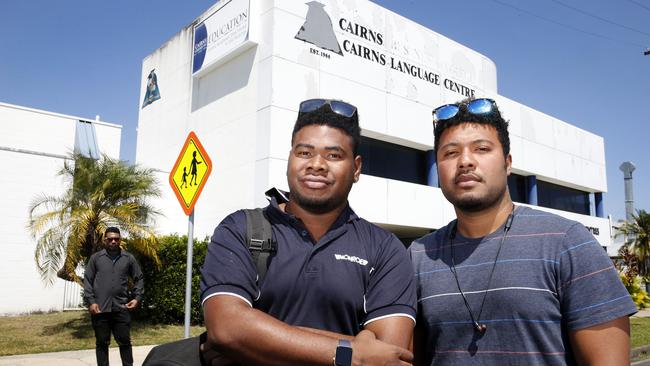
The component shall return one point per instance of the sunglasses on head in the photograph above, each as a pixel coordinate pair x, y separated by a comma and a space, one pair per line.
477, 107
339, 107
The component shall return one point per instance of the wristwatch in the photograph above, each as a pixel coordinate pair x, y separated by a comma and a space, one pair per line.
343, 353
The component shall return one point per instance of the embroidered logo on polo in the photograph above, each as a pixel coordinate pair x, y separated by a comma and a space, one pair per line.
350, 258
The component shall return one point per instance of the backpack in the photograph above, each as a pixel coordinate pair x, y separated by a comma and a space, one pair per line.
259, 237
186, 352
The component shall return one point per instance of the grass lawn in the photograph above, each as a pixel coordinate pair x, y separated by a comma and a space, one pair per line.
67, 331
640, 331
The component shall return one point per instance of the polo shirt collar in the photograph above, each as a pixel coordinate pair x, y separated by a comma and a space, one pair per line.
277, 197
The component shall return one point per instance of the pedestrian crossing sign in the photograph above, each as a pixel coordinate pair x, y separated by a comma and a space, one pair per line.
190, 172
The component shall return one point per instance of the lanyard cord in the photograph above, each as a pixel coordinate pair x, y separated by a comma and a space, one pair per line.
481, 328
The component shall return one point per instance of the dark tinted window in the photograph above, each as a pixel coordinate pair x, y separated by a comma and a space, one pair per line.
562, 198
517, 188
392, 161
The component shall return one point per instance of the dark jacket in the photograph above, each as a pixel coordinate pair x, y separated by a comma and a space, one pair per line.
106, 280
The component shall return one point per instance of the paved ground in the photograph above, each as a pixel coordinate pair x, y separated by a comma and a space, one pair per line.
641, 363
87, 357
72, 358
643, 313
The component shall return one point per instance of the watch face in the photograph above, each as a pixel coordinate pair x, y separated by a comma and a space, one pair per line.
343, 356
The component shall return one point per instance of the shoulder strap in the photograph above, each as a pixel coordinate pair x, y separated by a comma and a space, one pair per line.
259, 236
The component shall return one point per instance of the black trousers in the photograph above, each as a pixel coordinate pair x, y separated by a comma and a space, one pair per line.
118, 323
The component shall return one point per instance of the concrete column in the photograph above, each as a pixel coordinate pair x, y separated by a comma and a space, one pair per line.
432, 169
627, 168
598, 201
531, 185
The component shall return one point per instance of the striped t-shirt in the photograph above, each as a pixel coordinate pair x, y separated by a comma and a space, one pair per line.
551, 277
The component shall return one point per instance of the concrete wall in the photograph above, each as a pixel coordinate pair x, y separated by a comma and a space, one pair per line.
33, 146
243, 110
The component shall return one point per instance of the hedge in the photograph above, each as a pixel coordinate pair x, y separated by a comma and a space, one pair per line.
164, 285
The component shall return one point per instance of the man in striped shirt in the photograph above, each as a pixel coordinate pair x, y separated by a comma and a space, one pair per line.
506, 284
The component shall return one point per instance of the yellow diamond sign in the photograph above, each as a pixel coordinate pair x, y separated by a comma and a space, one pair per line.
190, 172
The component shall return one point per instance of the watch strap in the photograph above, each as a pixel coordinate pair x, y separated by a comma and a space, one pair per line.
343, 356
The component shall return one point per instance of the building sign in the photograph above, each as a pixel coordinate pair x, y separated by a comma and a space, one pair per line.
153, 93
190, 172
220, 33
319, 31
593, 230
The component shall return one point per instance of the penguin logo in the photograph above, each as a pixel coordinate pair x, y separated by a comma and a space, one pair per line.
153, 93
318, 30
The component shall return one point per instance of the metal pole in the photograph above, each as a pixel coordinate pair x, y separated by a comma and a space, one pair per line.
188, 273
627, 168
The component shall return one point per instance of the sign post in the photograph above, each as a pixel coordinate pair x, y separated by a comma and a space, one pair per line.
187, 179
188, 274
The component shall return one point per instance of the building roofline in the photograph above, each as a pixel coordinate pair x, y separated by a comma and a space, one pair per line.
34, 110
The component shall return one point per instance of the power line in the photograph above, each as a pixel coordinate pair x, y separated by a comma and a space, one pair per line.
568, 26
639, 4
600, 18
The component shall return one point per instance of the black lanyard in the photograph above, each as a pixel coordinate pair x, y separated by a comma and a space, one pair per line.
481, 328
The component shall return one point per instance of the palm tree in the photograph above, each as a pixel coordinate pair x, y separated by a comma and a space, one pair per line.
99, 193
637, 233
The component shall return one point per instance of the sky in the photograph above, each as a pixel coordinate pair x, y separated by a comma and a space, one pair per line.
580, 61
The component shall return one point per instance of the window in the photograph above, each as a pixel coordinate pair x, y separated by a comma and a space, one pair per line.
85, 140
562, 198
517, 187
392, 161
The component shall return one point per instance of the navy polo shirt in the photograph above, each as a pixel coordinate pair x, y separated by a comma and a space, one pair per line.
357, 273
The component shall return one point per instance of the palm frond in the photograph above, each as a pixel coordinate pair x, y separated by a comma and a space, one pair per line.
98, 194
50, 254
637, 233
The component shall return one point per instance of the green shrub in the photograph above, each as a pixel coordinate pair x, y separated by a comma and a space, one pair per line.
164, 285
635, 288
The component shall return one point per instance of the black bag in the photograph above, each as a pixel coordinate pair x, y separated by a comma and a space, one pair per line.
186, 352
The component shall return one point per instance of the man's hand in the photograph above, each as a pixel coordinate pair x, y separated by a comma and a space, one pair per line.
367, 350
94, 309
132, 304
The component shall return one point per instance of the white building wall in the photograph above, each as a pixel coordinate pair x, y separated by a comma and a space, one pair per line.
554, 150
33, 146
243, 112
221, 108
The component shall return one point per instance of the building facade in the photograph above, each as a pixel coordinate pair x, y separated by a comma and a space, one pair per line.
33, 147
236, 75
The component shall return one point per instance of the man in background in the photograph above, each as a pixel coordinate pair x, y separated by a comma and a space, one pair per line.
106, 291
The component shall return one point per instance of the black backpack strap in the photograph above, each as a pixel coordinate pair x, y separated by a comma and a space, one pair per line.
259, 236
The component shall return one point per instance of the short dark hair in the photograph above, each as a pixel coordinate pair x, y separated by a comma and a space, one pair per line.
324, 116
112, 229
493, 119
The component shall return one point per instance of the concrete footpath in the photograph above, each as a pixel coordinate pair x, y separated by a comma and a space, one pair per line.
73, 358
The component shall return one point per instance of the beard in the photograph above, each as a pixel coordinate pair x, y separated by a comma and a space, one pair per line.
319, 205
476, 203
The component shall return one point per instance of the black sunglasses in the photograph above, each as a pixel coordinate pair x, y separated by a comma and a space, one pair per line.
113, 239
339, 107
482, 106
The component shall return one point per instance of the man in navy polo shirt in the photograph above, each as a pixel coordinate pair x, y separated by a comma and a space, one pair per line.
339, 290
